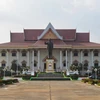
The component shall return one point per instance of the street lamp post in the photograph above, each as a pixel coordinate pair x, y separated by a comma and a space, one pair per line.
88, 72
32, 69
95, 73
4, 72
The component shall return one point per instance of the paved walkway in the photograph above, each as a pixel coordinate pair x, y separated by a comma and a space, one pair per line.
50, 90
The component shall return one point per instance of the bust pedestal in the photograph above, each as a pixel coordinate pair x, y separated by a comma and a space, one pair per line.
49, 65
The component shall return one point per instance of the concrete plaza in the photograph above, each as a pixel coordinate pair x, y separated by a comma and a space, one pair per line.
50, 90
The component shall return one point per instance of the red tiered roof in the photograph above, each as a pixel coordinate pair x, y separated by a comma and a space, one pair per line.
17, 37
68, 34
29, 38
82, 37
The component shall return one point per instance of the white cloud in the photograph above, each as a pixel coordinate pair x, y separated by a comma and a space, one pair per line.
74, 6
6, 5
19, 14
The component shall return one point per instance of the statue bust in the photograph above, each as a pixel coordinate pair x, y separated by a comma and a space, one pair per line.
49, 44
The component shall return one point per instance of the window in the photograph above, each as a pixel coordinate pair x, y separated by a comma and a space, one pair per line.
85, 65
95, 53
64, 63
35, 53
24, 54
3, 64
44, 66
96, 64
35, 64
24, 64
13, 54
64, 53
54, 65
3, 54
75, 53
85, 53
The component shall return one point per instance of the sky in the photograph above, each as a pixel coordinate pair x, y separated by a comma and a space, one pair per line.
82, 15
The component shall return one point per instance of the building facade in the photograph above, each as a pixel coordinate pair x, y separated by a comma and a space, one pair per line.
70, 47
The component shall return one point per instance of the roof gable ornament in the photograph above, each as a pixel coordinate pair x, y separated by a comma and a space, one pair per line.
53, 30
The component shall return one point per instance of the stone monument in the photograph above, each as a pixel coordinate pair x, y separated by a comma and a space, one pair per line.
50, 60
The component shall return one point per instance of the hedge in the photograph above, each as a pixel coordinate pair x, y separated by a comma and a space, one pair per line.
49, 78
91, 81
8, 81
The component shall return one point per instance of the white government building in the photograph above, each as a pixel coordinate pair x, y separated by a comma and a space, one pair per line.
70, 47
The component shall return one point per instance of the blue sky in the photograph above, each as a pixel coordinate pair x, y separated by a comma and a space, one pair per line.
83, 15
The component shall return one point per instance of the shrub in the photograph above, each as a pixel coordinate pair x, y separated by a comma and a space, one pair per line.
1, 77
95, 82
85, 80
27, 77
1, 83
9, 81
15, 80
74, 76
98, 84
6, 82
49, 78
90, 81
19, 75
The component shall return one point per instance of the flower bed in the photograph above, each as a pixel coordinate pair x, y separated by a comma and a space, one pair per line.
27, 77
9, 81
91, 81
74, 76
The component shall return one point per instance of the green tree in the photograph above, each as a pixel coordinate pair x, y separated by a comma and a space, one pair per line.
16, 66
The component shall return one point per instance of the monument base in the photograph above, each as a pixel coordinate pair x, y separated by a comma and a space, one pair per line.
49, 65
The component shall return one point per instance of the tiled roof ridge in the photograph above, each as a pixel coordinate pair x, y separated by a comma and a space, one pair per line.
81, 32
33, 29
55, 29
17, 32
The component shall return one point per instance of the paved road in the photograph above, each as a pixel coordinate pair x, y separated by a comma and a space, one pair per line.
50, 90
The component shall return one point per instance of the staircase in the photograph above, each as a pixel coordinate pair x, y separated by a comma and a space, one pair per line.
50, 76
53, 75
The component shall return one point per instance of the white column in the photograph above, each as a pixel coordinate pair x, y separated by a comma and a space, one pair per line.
28, 58
38, 59
18, 56
70, 57
66, 61
17, 60
60, 59
32, 67
92, 58
7, 58
81, 56
89, 60
67, 72
99, 56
